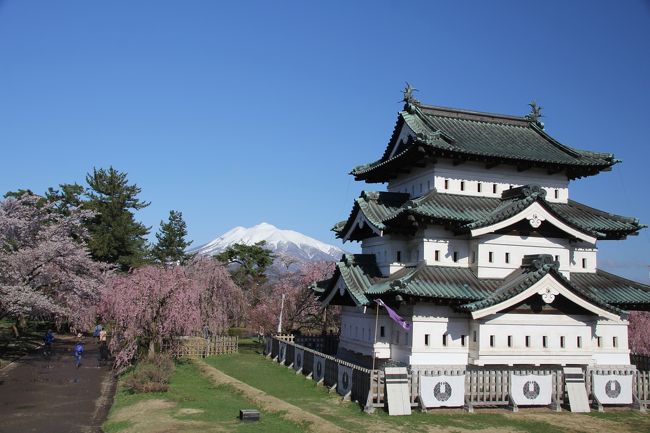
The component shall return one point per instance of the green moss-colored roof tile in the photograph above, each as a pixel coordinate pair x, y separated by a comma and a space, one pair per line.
463, 134
390, 211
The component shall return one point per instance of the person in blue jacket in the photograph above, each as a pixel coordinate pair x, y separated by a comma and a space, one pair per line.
49, 341
78, 351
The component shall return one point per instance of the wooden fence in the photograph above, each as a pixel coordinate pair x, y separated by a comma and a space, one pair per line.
484, 386
360, 387
199, 347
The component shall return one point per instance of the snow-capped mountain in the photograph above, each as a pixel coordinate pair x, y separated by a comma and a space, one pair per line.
284, 243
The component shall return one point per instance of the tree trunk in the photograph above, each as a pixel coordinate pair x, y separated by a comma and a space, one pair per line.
152, 348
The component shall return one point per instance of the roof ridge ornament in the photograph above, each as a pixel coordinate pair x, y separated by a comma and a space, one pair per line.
535, 114
408, 98
539, 262
524, 191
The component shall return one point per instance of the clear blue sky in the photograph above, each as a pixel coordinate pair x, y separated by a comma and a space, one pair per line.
236, 113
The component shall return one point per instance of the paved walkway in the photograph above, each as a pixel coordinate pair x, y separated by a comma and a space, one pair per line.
52, 395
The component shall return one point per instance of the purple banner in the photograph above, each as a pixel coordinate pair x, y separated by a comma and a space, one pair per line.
393, 315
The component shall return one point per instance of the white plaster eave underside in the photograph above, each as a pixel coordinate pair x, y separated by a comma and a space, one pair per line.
535, 214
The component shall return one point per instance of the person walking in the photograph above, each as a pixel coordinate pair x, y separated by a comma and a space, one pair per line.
78, 351
97, 330
103, 347
49, 343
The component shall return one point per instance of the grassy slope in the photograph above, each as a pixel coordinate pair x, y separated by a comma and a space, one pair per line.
214, 406
249, 367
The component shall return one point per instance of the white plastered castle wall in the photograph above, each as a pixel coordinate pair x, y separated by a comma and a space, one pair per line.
536, 339
475, 180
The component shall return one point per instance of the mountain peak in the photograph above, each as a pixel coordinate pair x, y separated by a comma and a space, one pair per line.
280, 242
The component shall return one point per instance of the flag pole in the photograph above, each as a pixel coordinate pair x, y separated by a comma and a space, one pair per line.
375, 342
372, 371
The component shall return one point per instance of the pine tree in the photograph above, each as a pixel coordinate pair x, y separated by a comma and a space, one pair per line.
171, 244
116, 237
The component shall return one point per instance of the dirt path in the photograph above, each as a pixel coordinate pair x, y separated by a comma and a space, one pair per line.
268, 402
41, 395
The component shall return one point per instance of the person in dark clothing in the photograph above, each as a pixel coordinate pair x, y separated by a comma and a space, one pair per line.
49, 342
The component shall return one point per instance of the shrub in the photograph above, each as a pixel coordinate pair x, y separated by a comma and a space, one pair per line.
150, 375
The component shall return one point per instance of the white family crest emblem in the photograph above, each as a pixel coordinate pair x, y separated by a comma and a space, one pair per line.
442, 391
613, 388
531, 390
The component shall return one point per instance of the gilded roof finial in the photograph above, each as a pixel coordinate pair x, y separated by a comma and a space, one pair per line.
408, 94
535, 114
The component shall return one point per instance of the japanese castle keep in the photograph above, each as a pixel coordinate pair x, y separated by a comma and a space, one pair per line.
476, 243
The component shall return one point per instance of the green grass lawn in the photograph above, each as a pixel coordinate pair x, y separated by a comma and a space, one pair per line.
191, 404
250, 367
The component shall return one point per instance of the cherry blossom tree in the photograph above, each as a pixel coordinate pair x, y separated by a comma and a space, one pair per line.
302, 310
638, 330
46, 270
154, 304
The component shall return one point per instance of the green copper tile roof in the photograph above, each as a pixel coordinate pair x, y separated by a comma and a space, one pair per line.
525, 277
375, 206
464, 212
460, 286
466, 135
437, 282
613, 289
359, 272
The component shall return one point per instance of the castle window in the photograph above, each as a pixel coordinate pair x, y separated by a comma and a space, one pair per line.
455, 256
584, 263
420, 188
426, 339
462, 340
579, 342
562, 342
511, 187
446, 183
436, 255
444, 339
492, 340
478, 187
557, 259
412, 189
382, 331
494, 188
509, 340
428, 185
490, 257
399, 257
545, 341
363, 333
507, 257
474, 337
473, 257
556, 193
614, 341
527, 340
406, 338
462, 185
599, 341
